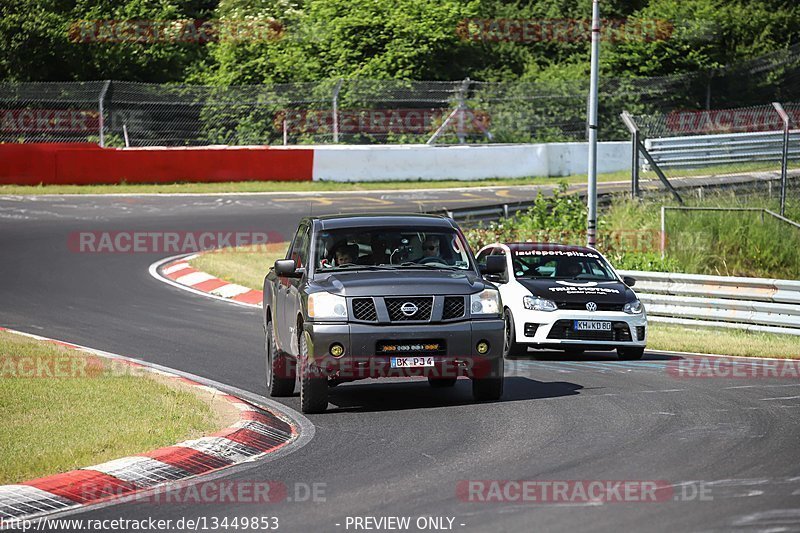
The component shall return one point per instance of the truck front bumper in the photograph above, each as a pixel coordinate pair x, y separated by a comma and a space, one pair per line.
458, 357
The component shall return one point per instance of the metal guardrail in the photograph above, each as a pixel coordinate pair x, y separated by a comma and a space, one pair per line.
698, 151
754, 304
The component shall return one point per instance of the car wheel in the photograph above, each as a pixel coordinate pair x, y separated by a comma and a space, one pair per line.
313, 385
490, 388
630, 354
280, 382
441, 383
511, 348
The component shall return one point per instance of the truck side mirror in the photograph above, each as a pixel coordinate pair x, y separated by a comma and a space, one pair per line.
495, 264
287, 268
629, 281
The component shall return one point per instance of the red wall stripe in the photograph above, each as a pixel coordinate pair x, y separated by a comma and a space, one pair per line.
80, 164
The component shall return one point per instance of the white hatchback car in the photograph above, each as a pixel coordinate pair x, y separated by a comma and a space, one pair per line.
566, 298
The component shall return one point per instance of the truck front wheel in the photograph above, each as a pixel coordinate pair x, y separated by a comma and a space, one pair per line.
490, 388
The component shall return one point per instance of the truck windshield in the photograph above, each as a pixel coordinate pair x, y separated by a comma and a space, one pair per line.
390, 248
560, 264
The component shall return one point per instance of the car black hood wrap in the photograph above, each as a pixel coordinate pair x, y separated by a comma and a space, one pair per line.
572, 291
400, 283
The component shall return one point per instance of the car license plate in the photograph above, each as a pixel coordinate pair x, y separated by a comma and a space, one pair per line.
591, 325
411, 362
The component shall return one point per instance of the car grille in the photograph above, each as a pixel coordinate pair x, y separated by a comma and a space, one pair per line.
364, 309
423, 313
581, 306
453, 307
562, 329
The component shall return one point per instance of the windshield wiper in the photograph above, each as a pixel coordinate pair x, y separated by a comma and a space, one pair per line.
353, 266
437, 266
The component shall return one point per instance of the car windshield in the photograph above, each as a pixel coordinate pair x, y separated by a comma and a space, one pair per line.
395, 248
560, 264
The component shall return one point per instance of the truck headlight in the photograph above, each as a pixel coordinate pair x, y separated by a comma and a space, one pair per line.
534, 303
486, 302
633, 308
326, 305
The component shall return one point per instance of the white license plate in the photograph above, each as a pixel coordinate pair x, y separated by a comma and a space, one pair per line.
411, 362
591, 325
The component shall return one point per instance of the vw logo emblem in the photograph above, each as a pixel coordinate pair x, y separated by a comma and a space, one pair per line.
591, 307
408, 309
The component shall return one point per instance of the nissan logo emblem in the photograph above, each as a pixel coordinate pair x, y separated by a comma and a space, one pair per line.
591, 306
408, 309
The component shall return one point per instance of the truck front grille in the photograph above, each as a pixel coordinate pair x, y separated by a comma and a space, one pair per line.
453, 307
364, 309
396, 306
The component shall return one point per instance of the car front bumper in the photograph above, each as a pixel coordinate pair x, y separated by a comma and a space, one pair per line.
556, 329
361, 360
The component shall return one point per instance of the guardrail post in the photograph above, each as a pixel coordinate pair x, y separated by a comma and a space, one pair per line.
102, 122
785, 156
635, 142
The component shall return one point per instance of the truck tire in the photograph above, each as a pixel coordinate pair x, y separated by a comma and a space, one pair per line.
510, 346
630, 354
313, 385
278, 384
490, 388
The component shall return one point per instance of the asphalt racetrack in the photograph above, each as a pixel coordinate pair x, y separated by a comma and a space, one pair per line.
728, 449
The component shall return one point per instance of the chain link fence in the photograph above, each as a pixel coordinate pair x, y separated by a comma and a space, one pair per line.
749, 155
119, 113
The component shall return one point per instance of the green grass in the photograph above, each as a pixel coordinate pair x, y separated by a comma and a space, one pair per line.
722, 341
55, 424
242, 265
290, 186
725, 243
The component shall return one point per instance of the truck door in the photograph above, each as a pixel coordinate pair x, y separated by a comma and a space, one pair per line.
292, 289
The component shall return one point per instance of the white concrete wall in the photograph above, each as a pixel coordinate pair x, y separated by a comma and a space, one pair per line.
462, 162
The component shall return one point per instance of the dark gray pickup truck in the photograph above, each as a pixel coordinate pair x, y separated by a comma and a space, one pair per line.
364, 296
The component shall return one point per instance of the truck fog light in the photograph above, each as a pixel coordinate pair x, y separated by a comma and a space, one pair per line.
482, 347
337, 350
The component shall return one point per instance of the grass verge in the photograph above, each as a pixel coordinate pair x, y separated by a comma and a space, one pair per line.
76, 411
243, 265
722, 341
289, 186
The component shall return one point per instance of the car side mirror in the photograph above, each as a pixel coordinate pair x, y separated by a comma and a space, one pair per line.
629, 281
495, 264
287, 268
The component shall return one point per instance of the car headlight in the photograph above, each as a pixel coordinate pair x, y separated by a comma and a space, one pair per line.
633, 308
534, 303
326, 305
486, 302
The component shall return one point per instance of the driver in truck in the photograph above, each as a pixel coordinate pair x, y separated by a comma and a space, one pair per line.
430, 248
